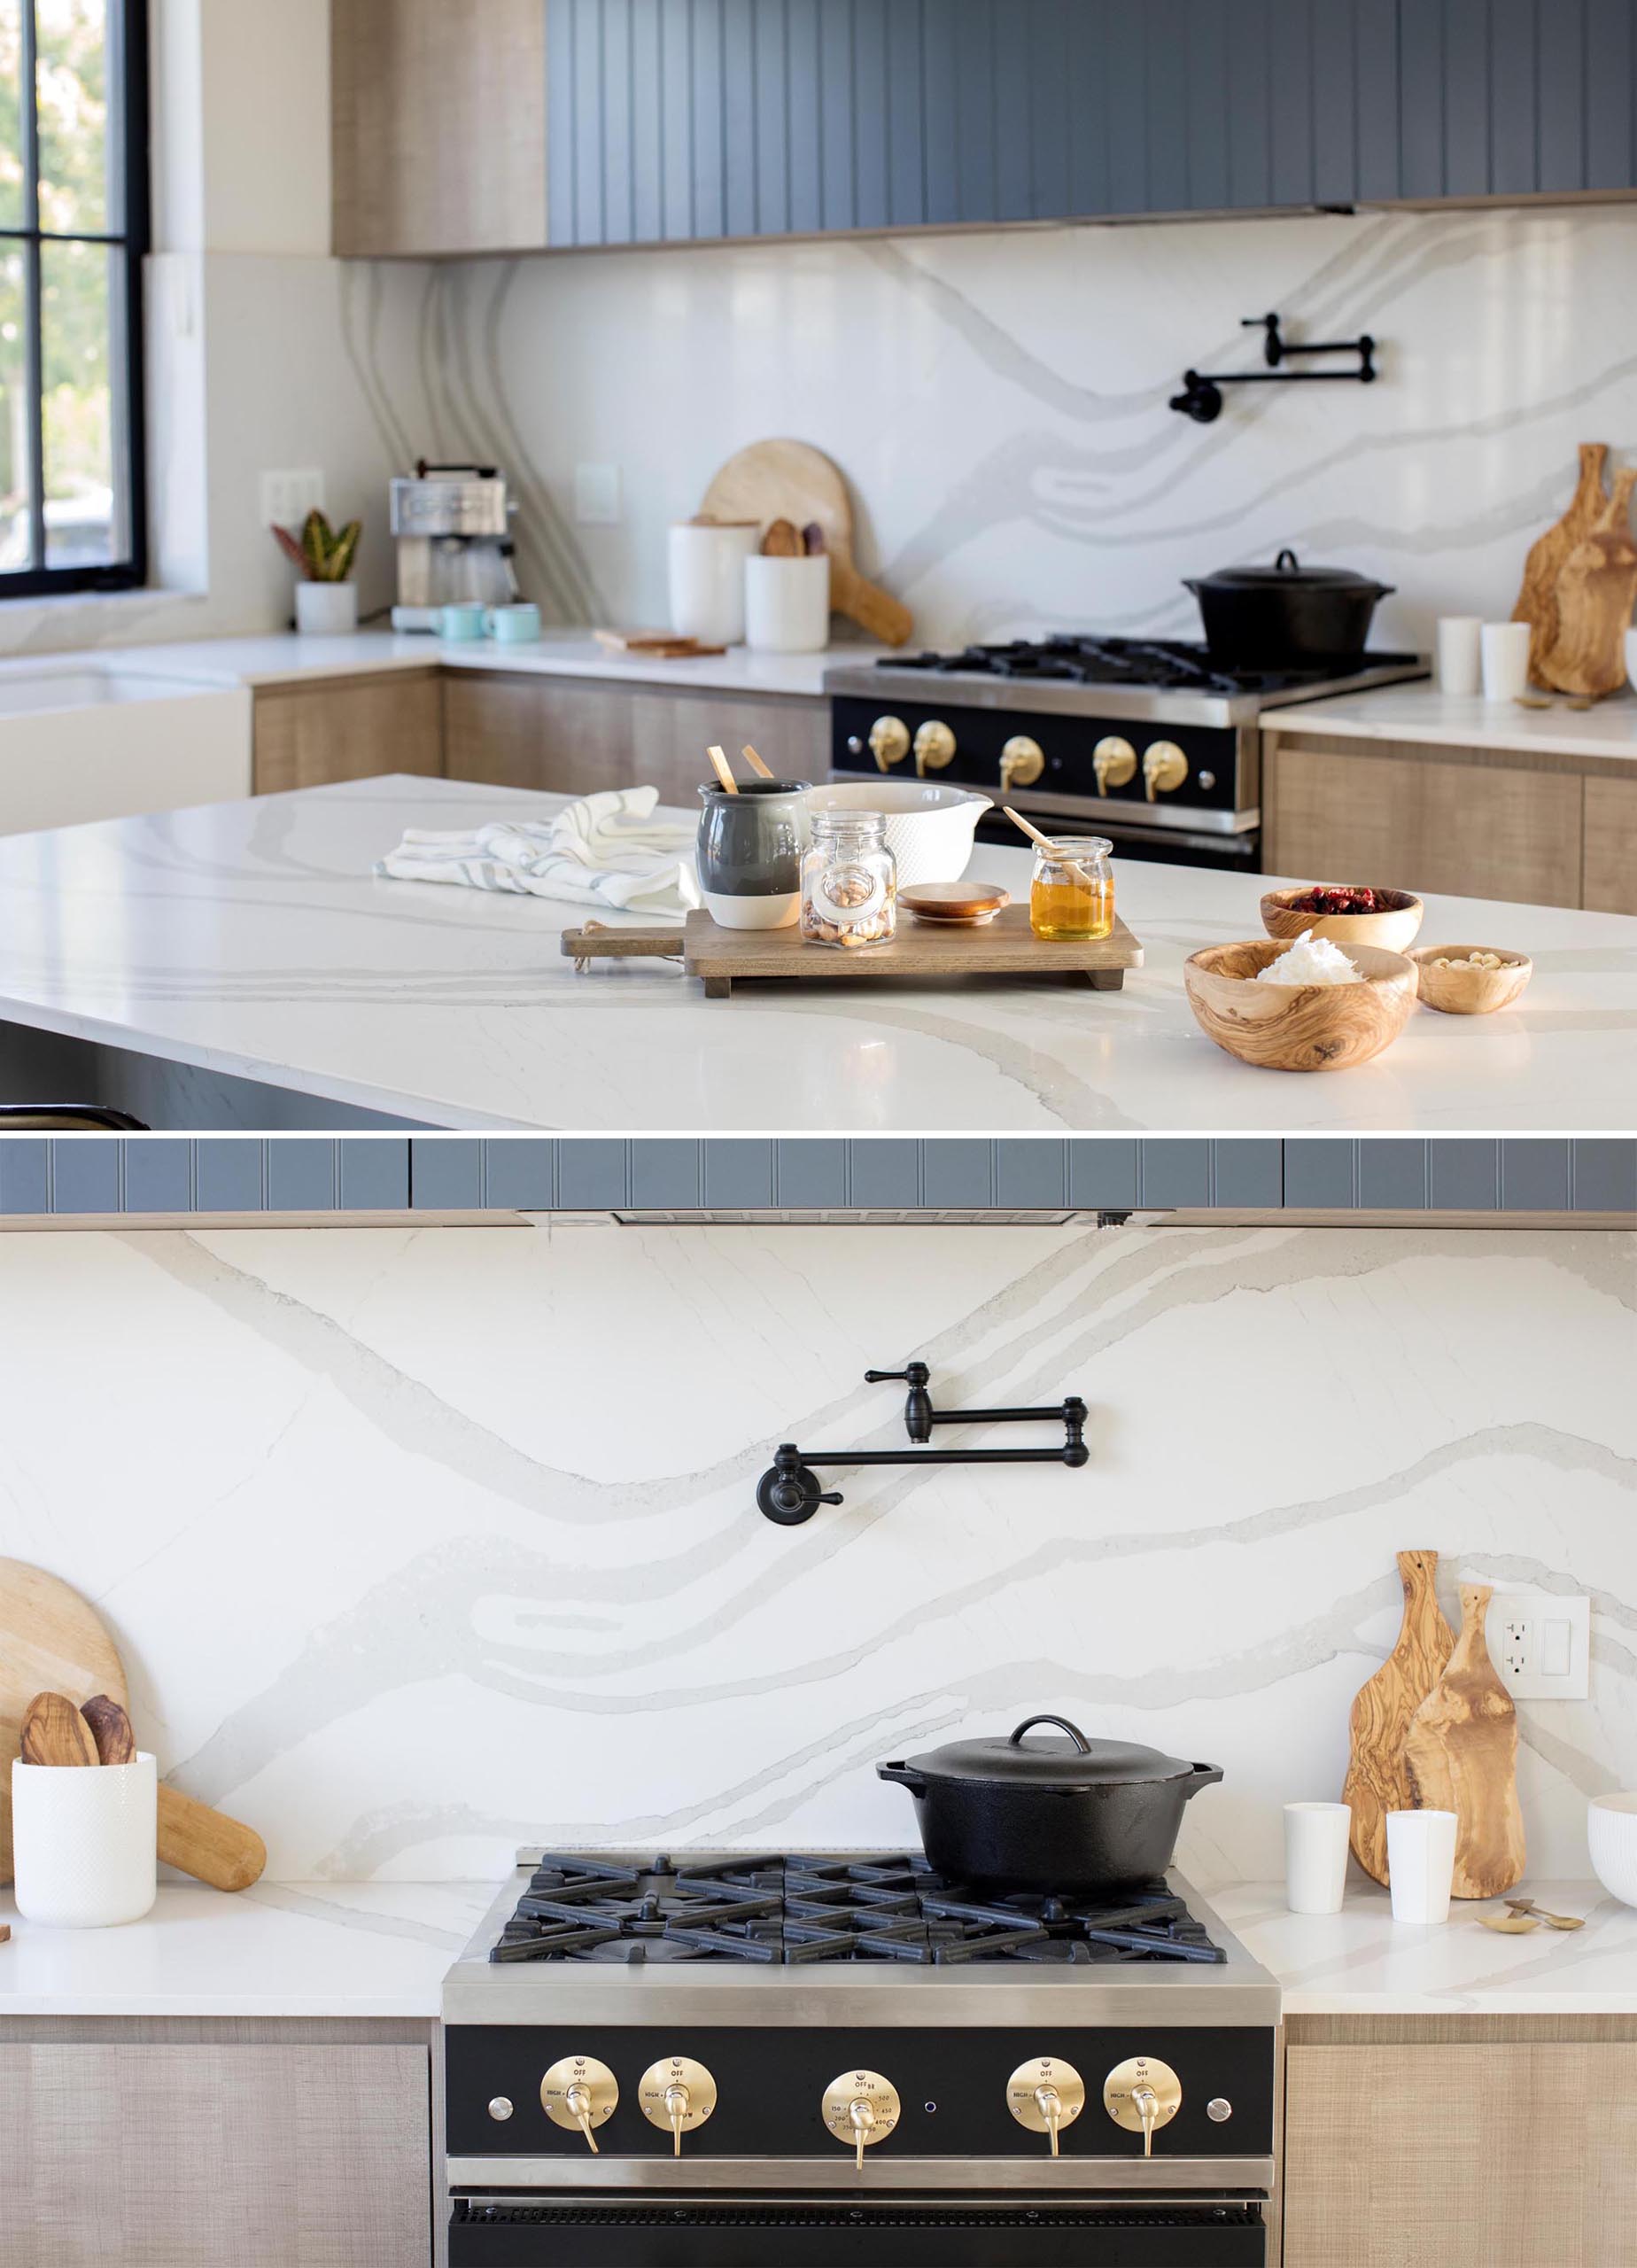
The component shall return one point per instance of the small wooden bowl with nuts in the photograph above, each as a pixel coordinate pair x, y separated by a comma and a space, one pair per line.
1469, 980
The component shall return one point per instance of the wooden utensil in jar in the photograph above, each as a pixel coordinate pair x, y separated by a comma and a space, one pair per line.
723, 770
55, 1733
762, 771
1045, 843
111, 1729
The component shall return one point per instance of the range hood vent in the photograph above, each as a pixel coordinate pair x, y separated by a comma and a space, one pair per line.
859, 1217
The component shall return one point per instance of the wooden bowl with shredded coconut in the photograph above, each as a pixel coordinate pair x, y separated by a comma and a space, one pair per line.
1297, 1027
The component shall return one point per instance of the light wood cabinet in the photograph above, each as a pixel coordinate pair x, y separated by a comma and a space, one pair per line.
308, 735
574, 736
213, 2154
438, 125
1466, 822
1505, 2153
1611, 846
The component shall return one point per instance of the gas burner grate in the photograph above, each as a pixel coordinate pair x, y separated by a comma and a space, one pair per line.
788, 1911
1168, 665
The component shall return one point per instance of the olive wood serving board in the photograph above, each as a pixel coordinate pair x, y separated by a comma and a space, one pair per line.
51, 1640
1377, 1779
1536, 599
1005, 947
1596, 585
1461, 1753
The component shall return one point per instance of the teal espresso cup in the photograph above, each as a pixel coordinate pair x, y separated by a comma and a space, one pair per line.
512, 626
461, 623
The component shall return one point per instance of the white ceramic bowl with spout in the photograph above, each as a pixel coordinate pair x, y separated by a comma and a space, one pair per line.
1630, 656
1611, 1830
930, 827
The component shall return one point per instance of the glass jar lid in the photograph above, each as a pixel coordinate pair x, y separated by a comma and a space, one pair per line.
863, 827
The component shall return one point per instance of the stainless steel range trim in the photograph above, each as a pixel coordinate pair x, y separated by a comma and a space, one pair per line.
1121, 2175
1055, 696
1131, 814
477, 1990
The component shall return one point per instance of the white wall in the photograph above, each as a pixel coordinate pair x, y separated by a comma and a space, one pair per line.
998, 403
419, 1545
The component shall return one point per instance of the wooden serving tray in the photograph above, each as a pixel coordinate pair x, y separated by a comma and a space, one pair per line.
1005, 947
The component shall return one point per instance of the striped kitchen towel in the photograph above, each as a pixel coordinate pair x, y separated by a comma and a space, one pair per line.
605, 850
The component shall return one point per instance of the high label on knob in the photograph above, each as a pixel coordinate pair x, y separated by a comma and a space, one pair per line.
860, 2108
580, 2091
1045, 2094
676, 2094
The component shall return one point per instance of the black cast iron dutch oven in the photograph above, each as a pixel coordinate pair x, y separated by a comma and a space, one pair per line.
1285, 615
1050, 1814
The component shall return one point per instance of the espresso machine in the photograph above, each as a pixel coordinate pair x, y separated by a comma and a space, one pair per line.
453, 527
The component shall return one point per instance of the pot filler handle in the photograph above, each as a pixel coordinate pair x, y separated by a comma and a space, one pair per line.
1062, 1724
904, 1774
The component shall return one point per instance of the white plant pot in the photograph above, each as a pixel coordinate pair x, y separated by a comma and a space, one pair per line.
84, 1841
326, 609
929, 828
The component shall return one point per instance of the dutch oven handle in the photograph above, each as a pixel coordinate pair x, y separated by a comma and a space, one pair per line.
1286, 562
1062, 1724
1203, 1776
905, 1775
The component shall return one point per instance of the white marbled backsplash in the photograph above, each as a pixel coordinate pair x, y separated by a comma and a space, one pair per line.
421, 1544
998, 400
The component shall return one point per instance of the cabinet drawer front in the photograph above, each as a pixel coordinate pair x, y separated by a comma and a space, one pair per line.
1611, 846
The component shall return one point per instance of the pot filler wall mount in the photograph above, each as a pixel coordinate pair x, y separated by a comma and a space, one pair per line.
789, 1492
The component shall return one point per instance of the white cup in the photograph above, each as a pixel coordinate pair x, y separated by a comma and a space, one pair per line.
788, 604
84, 1841
707, 575
1456, 657
1504, 650
1421, 1864
1315, 1856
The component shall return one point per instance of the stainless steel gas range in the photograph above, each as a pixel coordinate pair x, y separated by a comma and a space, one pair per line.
733, 2061
1145, 741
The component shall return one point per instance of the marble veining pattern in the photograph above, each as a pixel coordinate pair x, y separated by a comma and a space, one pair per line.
253, 939
398, 1574
998, 400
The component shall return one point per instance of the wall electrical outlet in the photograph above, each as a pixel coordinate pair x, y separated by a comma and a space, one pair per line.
596, 495
1540, 1642
288, 497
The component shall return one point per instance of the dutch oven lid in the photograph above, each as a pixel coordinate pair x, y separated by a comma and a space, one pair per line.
1025, 1760
1285, 573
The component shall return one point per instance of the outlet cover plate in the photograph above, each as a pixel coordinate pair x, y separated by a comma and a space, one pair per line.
288, 497
1540, 1642
596, 495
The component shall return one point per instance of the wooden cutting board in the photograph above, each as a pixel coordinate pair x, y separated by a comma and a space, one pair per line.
790, 480
1596, 585
1461, 1752
1537, 600
52, 1641
1377, 1781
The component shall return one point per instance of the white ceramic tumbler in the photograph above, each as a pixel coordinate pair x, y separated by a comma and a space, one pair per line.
707, 575
1315, 1856
83, 1840
1503, 648
788, 604
1455, 653
1421, 1864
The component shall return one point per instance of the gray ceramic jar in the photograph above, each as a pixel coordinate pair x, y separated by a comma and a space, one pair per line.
750, 848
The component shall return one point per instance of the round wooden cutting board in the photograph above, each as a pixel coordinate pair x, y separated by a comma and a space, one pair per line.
51, 1641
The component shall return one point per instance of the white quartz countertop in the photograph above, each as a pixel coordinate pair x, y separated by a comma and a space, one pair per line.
283, 658
1361, 1963
303, 1949
253, 938
1420, 712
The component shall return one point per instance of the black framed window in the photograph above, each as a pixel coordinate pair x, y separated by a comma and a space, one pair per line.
73, 226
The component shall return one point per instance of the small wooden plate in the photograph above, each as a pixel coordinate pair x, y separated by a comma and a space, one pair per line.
1469, 991
964, 904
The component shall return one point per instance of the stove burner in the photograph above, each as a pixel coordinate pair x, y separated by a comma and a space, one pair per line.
795, 1909
1170, 664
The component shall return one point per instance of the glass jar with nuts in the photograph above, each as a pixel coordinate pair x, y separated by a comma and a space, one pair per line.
850, 881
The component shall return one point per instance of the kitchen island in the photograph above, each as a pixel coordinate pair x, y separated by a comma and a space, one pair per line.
250, 941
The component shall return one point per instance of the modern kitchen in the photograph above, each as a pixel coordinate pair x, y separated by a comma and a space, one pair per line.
1214, 444
713, 1708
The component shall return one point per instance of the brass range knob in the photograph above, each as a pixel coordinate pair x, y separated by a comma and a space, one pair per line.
1045, 2094
861, 2108
676, 2093
1114, 759
1141, 2094
889, 742
580, 2092
1164, 768
935, 746
1021, 762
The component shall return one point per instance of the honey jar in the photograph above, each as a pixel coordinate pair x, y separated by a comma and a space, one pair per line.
1072, 894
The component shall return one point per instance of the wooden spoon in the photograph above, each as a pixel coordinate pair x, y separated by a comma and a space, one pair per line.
1050, 847
723, 772
781, 541
111, 1729
54, 1732
762, 771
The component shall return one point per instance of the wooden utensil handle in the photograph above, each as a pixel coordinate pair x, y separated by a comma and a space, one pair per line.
206, 1844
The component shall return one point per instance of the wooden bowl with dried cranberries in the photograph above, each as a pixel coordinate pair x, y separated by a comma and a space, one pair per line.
1348, 914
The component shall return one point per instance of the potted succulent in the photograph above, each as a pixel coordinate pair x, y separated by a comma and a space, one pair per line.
326, 601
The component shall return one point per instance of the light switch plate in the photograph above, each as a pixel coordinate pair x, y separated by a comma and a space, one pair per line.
596, 495
288, 497
1540, 1642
